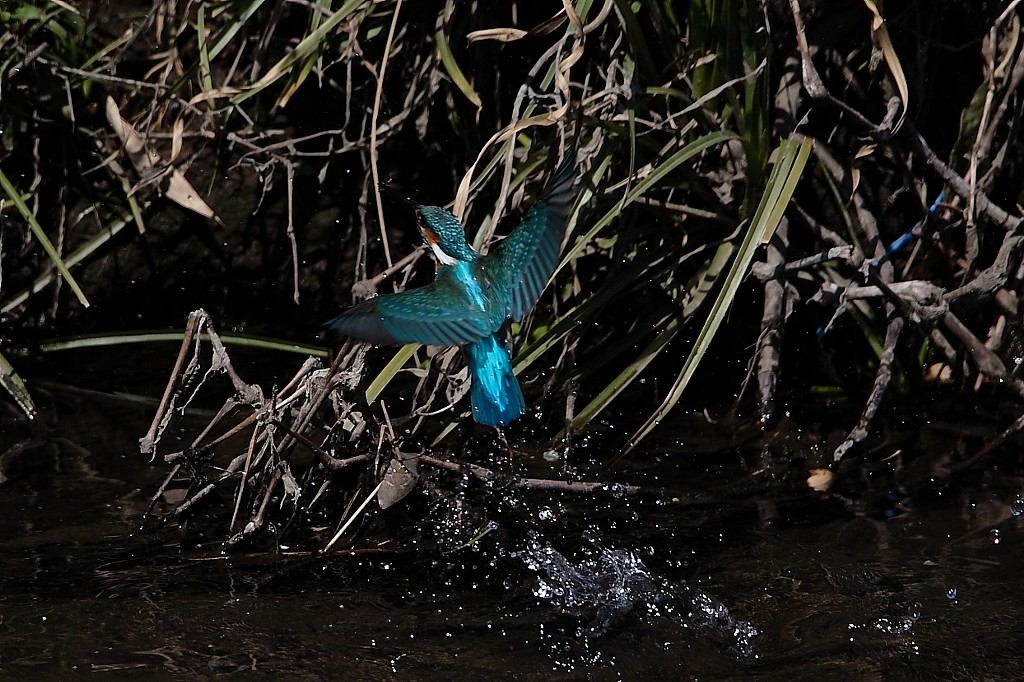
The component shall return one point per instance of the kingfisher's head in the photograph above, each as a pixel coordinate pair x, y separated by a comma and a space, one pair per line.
444, 235
441, 231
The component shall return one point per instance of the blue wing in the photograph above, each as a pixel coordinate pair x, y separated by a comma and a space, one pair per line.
438, 314
522, 264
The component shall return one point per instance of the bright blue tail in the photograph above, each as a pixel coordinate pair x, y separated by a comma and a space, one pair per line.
495, 393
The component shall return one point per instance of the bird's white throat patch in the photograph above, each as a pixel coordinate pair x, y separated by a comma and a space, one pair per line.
441, 256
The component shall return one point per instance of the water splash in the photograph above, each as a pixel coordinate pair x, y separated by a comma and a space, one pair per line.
1017, 508
613, 585
896, 626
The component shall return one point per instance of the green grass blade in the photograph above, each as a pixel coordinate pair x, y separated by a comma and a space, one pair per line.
77, 256
107, 340
626, 377
626, 280
444, 432
704, 283
389, 372
789, 165
13, 384
663, 169
234, 26
37, 230
444, 50
637, 39
307, 46
316, 18
205, 74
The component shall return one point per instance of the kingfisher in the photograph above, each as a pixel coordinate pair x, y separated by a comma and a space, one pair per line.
473, 295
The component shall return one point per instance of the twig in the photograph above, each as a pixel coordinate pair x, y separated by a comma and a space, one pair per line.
257, 522
173, 457
290, 185
1011, 223
994, 277
772, 325
230, 471
486, 475
883, 377
989, 447
987, 362
310, 409
986, 134
147, 445
242, 479
332, 463
813, 84
406, 260
355, 515
163, 487
250, 393
373, 130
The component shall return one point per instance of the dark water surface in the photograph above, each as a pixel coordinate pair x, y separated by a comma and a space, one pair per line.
883, 580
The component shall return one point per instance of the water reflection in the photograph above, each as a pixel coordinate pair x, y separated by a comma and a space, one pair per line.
558, 587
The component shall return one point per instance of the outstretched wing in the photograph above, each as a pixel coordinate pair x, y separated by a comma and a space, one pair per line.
438, 314
522, 264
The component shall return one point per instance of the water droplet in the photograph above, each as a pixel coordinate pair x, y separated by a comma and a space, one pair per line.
951, 594
616, 490
994, 536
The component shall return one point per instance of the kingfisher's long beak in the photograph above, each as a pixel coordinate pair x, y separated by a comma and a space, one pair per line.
399, 198
429, 235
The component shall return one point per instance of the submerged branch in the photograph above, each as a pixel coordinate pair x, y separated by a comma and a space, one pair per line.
488, 476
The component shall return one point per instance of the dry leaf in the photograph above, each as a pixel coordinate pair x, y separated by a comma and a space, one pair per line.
502, 35
134, 147
881, 34
399, 481
291, 486
865, 150
178, 133
508, 35
179, 190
